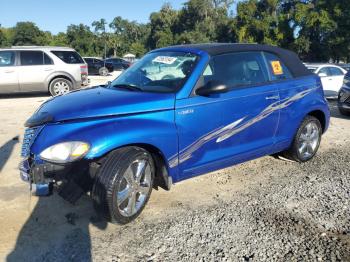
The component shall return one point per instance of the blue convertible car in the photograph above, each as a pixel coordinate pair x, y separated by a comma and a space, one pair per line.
179, 112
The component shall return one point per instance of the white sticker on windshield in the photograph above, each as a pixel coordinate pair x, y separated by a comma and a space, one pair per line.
165, 59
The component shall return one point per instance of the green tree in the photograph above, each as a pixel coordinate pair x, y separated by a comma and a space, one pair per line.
82, 39
27, 33
59, 40
3, 39
161, 27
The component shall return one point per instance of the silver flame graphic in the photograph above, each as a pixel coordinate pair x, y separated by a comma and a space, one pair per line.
226, 132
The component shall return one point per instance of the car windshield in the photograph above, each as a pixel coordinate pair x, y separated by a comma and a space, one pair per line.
163, 72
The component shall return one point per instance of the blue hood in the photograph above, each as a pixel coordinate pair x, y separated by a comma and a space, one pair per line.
100, 102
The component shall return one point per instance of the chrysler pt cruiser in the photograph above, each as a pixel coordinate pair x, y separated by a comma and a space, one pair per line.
179, 112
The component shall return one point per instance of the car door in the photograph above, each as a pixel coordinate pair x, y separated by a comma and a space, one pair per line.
90, 63
291, 106
97, 65
337, 79
327, 80
8, 72
117, 63
35, 68
222, 129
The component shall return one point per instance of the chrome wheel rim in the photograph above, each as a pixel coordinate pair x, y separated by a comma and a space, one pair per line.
104, 72
309, 140
134, 187
60, 88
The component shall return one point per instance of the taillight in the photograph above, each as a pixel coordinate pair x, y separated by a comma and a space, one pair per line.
84, 69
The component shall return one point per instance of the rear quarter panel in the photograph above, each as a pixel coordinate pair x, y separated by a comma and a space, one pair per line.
309, 97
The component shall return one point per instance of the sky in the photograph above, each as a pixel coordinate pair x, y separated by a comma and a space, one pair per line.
56, 15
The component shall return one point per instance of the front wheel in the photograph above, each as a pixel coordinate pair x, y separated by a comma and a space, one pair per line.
307, 140
124, 184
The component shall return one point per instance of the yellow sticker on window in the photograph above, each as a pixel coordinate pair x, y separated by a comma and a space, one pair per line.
277, 68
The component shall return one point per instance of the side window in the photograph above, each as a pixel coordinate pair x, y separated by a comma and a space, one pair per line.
32, 58
7, 58
237, 70
278, 70
325, 70
47, 60
336, 71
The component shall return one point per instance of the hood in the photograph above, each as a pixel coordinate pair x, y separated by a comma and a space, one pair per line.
99, 102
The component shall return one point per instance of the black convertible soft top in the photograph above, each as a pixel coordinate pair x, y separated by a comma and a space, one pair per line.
289, 58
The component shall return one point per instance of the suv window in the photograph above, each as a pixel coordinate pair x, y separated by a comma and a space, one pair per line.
7, 58
47, 60
69, 57
278, 70
325, 70
237, 69
336, 71
29, 58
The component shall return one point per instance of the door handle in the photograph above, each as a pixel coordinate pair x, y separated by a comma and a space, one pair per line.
48, 69
9, 71
272, 97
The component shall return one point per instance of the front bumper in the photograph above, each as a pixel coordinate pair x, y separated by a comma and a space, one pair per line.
70, 180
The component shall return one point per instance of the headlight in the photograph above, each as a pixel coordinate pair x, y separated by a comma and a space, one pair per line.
65, 152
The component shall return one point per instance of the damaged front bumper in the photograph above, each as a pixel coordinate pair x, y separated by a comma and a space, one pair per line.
70, 180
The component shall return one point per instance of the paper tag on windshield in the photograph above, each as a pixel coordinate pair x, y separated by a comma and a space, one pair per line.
277, 68
165, 59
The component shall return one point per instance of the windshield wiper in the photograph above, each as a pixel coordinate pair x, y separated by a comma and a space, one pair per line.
128, 87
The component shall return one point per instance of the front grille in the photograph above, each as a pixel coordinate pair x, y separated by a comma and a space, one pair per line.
28, 139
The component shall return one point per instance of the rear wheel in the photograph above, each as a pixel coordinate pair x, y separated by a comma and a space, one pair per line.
307, 140
103, 71
124, 184
60, 86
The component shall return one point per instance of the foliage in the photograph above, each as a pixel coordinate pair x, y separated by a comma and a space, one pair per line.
318, 30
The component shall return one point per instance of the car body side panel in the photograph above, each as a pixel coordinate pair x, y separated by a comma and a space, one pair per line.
104, 135
231, 124
308, 96
76, 82
9, 79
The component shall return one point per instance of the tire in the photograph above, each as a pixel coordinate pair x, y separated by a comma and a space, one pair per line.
103, 71
60, 86
306, 141
115, 192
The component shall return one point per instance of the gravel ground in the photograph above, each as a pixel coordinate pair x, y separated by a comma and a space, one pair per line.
298, 213
263, 210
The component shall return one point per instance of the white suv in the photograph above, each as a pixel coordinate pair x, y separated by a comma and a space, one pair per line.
37, 69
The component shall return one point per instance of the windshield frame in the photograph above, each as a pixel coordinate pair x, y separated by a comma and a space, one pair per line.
182, 82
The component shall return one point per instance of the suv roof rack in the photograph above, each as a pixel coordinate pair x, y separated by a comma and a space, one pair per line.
40, 47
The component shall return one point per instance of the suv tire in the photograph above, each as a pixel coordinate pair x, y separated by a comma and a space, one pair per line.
123, 184
306, 141
60, 86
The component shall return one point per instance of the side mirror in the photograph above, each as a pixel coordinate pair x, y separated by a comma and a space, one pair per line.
212, 87
322, 75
